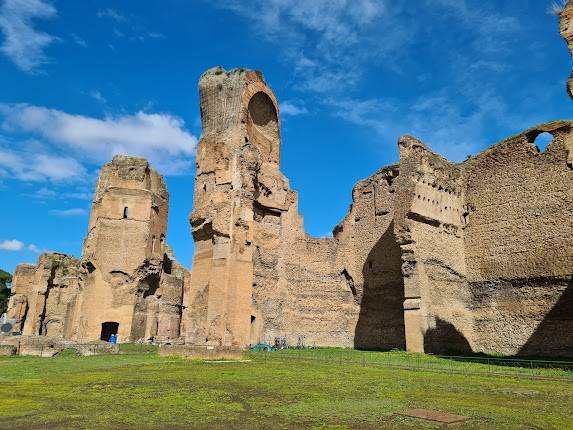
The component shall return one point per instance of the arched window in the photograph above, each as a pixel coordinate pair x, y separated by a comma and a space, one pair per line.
263, 126
543, 140
162, 242
125, 212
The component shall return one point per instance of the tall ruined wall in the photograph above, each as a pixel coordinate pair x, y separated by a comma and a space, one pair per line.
429, 223
519, 244
127, 281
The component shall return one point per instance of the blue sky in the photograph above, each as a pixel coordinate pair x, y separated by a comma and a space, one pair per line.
83, 80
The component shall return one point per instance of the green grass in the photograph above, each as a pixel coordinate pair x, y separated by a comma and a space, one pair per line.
324, 389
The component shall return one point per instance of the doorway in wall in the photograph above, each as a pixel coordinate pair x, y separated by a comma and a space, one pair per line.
107, 329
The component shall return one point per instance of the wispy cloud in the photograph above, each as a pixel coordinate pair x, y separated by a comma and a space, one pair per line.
155, 35
35, 249
326, 41
112, 14
79, 41
96, 95
289, 108
161, 138
24, 44
44, 193
334, 46
69, 212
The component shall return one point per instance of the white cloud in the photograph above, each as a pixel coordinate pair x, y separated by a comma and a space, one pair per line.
326, 41
68, 212
51, 194
155, 35
17, 245
434, 118
112, 14
23, 44
288, 108
161, 138
11, 245
35, 249
96, 95
79, 41
30, 166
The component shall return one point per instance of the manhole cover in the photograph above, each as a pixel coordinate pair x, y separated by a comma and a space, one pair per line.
436, 416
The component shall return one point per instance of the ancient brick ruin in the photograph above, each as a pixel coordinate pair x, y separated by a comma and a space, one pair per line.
433, 256
126, 282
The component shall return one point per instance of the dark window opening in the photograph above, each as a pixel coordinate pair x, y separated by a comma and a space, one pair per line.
91, 268
108, 329
125, 212
253, 319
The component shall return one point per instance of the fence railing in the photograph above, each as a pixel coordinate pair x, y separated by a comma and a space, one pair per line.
529, 368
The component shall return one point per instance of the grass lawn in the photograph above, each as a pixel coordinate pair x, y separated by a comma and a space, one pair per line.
281, 390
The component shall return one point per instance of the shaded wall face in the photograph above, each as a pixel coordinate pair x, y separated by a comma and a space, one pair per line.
519, 247
373, 265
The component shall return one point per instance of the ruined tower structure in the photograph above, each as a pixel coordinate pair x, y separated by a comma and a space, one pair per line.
126, 282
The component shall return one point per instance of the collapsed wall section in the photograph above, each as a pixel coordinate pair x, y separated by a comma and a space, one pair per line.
44, 297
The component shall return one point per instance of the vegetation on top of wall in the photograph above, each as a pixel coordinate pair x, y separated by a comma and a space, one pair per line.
557, 7
5, 281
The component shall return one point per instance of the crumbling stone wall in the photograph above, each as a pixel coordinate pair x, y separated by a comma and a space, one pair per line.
433, 256
126, 275
44, 297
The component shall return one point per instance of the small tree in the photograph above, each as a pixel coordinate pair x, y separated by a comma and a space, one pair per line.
5, 281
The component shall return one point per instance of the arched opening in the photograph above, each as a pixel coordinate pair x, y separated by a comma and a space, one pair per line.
542, 141
263, 126
108, 329
162, 242
153, 240
125, 212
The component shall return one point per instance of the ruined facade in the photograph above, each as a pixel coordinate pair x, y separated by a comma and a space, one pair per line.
126, 282
433, 256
